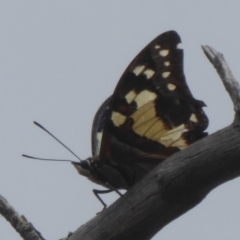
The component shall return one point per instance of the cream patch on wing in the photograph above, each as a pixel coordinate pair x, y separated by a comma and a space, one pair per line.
99, 140
149, 73
157, 130
172, 136
165, 74
141, 116
167, 64
144, 97
164, 53
171, 86
130, 96
118, 119
139, 113
138, 70
147, 124
193, 118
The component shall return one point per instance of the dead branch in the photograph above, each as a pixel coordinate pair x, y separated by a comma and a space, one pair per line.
225, 74
19, 223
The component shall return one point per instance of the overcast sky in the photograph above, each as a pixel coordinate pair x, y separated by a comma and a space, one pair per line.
59, 60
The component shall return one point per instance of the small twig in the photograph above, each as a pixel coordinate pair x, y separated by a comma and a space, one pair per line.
225, 74
20, 223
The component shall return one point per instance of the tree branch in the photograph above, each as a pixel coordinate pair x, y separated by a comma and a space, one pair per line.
225, 74
177, 184
19, 223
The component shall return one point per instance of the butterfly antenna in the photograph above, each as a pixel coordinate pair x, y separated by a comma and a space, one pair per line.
48, 159
43, 128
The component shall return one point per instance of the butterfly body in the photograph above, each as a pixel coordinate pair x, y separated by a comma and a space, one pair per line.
150, 116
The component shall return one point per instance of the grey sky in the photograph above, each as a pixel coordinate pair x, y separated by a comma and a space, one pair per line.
59, 60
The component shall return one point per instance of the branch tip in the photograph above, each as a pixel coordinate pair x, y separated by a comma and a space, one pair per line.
231, 85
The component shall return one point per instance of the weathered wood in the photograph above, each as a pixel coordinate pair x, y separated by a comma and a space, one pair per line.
18, 222
225, 74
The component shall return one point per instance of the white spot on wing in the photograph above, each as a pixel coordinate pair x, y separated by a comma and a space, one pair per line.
193, 118
130, 96
171, 86
165, 74
148, 73
118, 119
157, 46
167, 64
164, 53
99, 141
144, 97
138, 70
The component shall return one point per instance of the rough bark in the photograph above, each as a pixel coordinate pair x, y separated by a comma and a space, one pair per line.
19, 222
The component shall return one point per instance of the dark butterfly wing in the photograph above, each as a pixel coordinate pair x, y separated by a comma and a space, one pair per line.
97, 127
152, 113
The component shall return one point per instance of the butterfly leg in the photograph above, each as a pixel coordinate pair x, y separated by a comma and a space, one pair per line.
97, 192
111, 189
118, 192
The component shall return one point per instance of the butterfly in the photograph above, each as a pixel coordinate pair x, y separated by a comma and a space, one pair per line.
150, 116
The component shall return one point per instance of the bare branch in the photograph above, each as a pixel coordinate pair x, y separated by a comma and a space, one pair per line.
177, 184
225, 74
19, 223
